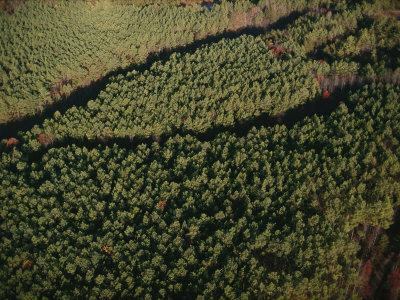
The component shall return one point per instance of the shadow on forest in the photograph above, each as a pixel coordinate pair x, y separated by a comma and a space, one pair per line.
80, 96
363, 58
318, 106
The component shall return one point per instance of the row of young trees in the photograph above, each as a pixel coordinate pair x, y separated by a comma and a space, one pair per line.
229, 81
49, 48
218, 85
265, 215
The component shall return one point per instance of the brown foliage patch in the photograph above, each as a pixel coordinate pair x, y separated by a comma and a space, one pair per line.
45, 139
326, 94
12, 142
27, 264
106, 250
367, 270
394, 278
162, 204
277, 52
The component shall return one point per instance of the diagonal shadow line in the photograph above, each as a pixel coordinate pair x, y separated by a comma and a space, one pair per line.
317, 107
80, 96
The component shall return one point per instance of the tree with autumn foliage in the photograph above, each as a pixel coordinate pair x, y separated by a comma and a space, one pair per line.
12, 142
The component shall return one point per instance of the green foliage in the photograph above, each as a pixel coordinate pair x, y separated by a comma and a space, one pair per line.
382, 34
193, 92
91, 207
48, 49
263, 215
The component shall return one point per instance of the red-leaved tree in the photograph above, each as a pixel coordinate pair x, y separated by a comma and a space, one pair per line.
162, 204
12, 142
326, 94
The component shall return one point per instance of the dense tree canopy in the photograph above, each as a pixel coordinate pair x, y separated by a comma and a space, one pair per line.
210, 218
49, 49
211, 87
258, 166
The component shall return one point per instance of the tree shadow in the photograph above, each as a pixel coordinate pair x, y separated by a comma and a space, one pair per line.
81, 95
317, 106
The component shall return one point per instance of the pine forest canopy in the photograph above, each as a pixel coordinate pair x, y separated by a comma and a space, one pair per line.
216, 87
49, 48
264, 215
172, 182
211, 87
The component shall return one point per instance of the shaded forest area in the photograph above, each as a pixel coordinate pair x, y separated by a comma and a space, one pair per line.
253, 154
39, 69
81, 95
